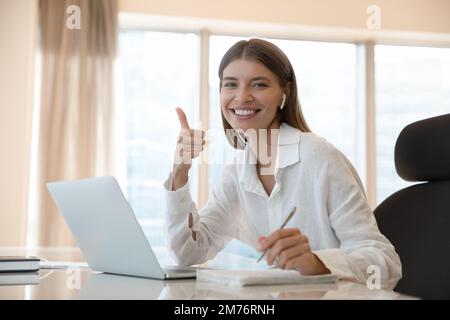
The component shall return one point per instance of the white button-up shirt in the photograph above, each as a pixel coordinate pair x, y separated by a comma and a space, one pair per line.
310, 174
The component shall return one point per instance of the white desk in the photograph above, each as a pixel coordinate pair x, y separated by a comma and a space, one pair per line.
83, 283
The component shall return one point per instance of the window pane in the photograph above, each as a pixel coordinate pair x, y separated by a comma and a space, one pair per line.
326, 76
326, 79
158, 71
412, 83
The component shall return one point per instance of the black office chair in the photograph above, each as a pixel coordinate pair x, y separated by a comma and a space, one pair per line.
417, 219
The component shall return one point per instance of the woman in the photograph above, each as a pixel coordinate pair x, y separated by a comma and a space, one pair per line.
283, 166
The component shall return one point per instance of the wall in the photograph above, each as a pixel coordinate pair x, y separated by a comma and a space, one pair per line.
400, 15
17, 32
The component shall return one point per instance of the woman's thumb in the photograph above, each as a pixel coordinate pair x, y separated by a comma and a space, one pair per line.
182, 118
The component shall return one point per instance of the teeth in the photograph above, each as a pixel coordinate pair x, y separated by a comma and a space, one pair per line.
241, 112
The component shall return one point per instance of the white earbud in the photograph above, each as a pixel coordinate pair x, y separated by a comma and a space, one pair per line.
283, 101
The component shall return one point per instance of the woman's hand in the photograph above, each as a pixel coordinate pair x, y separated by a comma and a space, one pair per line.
189, 145
292, 249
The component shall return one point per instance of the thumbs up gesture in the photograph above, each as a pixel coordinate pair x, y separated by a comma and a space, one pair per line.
189, 145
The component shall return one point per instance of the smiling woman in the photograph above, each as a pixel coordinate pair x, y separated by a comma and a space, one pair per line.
257, 76
336, 231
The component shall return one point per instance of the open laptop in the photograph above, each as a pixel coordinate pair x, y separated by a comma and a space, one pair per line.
107, 231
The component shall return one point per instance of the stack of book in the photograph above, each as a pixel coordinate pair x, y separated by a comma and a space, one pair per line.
19, 271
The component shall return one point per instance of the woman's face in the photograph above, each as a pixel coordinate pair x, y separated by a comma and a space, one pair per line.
250, 95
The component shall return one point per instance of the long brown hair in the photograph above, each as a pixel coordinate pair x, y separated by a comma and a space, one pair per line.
276, 61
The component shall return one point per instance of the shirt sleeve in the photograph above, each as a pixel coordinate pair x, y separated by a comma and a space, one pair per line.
215, 224
364, 255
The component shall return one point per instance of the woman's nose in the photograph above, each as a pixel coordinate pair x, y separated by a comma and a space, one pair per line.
243, 95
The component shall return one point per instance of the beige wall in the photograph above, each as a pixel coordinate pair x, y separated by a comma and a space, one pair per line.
400, 15
17, 31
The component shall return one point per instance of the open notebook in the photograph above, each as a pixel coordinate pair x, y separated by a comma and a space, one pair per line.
261, 277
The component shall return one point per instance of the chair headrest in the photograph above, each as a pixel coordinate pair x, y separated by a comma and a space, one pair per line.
422, 151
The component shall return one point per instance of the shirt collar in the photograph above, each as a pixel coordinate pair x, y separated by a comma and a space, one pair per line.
288, 153
288, 146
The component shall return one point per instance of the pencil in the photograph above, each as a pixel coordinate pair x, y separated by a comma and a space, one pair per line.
282, 226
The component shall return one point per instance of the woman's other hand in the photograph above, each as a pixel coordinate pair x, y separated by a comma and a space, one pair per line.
292, 249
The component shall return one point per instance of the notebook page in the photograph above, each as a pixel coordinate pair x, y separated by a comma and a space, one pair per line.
261, 277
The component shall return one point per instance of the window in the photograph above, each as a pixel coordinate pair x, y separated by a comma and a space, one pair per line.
158, 71
412, 83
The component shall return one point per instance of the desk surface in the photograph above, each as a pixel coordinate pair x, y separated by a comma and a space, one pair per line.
83, 283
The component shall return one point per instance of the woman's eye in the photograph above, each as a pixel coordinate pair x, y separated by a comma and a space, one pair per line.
229, 85
260, 85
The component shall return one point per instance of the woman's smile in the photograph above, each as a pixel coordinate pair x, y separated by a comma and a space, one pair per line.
243, 113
